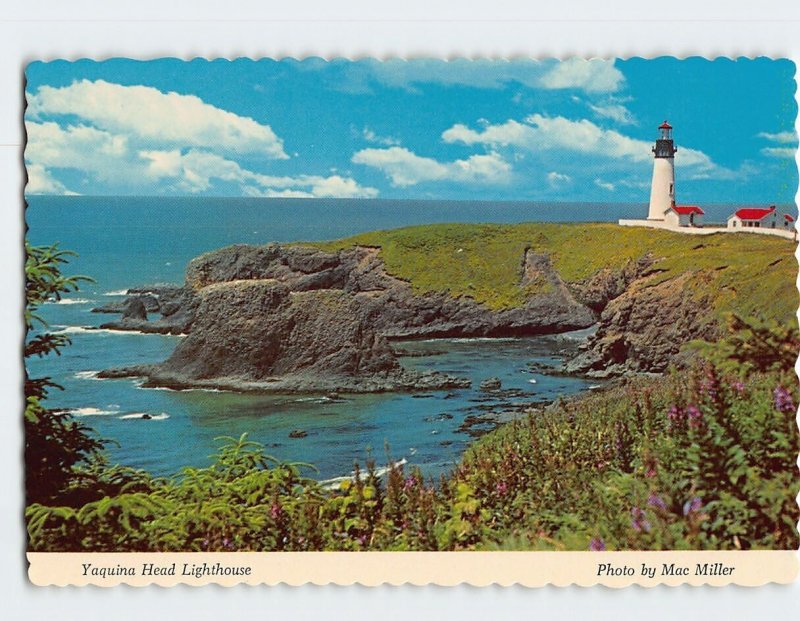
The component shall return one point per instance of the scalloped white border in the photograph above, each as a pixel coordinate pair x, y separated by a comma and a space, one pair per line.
628, 28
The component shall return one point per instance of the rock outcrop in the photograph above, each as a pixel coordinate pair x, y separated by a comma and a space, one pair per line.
259, 335
643, 328
300, 318
176, 306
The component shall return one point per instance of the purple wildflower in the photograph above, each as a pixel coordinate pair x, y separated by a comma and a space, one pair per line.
275, 511
410, 482
692, 506
362, 539
783, 400
695, 416
639, 521
710, 385
502, 488
675, 416
656, 501
226, 543
597, 545
738, 386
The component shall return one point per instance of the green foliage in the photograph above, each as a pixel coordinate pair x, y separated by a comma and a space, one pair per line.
756, 345
699, 459
55, 445
745, 274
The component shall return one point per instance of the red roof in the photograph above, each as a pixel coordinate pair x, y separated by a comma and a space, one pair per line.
687, 210
788, 217
754, 213
665, 125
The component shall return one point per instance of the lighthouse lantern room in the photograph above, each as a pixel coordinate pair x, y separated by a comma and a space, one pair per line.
662, 190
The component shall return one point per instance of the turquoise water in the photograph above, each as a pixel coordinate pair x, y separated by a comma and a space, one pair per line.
125, 242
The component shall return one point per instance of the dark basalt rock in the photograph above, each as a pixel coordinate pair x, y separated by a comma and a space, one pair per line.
493, 383
258, 335
134, 309
643, 329
298, 433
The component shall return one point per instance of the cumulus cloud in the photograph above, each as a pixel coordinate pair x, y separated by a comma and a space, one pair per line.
405, 168
156, 117
138, 139
780, 137
606, 185
41, 182
195, 172
107, 156
779, 152
557, 180
592, 76
370, 136
542, 133
615, 112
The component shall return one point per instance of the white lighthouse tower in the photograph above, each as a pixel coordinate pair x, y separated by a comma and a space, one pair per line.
662, 190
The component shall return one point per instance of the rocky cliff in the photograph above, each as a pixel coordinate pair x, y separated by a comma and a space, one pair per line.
295, 317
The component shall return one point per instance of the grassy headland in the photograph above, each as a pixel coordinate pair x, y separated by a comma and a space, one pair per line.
747, 274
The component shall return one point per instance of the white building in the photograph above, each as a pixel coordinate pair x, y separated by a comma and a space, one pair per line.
684, 215
755, 217
662, 188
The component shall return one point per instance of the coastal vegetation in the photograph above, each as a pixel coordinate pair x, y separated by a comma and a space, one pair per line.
702, 457
699, 459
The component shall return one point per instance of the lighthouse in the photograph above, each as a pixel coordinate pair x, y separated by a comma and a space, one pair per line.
662, 189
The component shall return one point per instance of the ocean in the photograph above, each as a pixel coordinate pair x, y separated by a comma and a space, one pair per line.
124, 242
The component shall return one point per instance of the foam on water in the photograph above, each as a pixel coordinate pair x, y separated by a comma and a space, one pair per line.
335, 482
87, 375
141, 416
92, 411
69, 301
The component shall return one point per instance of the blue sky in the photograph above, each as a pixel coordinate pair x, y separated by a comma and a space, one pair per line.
573, 130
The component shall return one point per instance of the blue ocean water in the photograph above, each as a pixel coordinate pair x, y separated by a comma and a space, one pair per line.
123, 242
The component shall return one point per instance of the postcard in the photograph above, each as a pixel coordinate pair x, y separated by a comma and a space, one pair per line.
526, 321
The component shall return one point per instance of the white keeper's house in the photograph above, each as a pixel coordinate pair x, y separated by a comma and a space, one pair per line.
760, 218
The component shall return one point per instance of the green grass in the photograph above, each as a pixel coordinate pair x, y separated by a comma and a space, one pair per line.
747, 274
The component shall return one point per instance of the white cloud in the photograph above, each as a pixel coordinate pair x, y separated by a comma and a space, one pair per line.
557, 180
615, 112
541, 133
155, 117
195, 171
509, 133
779, 152
592, 76
781, 137
106, 156
406, 168
41, 182
138, 139
606, 185
370, 136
